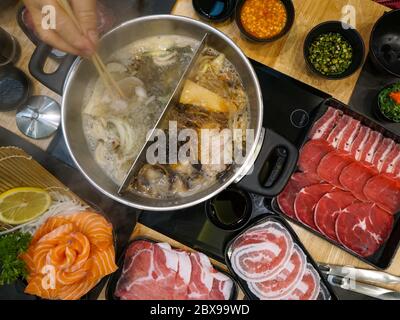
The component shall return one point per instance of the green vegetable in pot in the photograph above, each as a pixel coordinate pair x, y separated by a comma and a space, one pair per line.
389, 103
12, 267
331, 54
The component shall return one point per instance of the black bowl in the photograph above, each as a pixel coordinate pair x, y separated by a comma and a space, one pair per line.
377, 106
290, 11
385, 43
202, 8
350, 34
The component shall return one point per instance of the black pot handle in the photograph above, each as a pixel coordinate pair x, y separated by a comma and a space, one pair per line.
273, 167
55, 80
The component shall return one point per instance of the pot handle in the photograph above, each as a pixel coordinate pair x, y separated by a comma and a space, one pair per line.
273, 167
55, 80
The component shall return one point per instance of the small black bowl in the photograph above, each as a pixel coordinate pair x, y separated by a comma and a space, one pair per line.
217, 11
377, 106
290, 11
350, 34
234, 204
385, 43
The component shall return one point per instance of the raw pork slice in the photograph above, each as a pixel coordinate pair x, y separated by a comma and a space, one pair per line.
327, 210
392, 161
155, 271
308, 288
306, 201
385, 192
360, 142
331, 166
311, 154
363, 228
340, 136
297, 182
354, 178
371, 146
349, 135
382, 153
285, 281
261, 252
323, 127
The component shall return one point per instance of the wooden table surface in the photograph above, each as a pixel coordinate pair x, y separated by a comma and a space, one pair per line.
284, 55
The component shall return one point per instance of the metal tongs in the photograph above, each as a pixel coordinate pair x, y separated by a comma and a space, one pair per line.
351, 279
141, 158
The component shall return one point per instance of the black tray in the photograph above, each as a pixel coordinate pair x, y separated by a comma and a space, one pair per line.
282, 222
112, 283
384, 256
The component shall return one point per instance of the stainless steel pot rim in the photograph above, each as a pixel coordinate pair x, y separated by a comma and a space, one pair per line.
237, 175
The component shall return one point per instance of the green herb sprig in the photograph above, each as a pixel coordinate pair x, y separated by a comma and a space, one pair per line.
12, 267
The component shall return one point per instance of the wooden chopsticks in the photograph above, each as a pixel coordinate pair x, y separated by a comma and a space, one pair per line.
110, 83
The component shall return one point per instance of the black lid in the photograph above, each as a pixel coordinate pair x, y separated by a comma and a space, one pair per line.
14, 88
214, 10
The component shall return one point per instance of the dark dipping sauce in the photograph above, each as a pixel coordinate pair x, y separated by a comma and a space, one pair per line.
230, 210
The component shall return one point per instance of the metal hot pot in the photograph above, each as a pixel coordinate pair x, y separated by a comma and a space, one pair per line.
71, 79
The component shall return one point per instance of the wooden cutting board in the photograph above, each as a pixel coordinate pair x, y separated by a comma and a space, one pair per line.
141, 231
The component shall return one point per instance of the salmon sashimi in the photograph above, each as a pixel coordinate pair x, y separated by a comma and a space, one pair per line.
69, 255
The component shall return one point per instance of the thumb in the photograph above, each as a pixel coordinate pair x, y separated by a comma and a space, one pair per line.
86, 13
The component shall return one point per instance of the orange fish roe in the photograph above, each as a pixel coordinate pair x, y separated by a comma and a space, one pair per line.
263, 19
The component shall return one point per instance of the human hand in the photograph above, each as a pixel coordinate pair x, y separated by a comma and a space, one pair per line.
67, 36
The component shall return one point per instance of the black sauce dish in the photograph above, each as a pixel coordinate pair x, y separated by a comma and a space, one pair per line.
347, 32
216, 11
290, 11
385, 43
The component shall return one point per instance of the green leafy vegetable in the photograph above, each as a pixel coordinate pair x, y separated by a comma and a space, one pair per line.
11, 247
331, 54
388, 106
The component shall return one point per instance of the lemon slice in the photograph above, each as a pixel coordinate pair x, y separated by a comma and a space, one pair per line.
22, 205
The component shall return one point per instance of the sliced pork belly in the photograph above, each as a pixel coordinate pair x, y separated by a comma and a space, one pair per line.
281, 285
385, 192
360, 142
297, 182
323, 126
349, 135
155, 271
382, 153
374, 140
327, 210
311, 154
309, 286
392, 162
307, 200
262, 252
331, 166
343, 135
363, 227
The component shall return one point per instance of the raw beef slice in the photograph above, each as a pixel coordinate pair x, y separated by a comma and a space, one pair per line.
311, 154
307, 200
308, 288
363, 228
261, 252
297, 182
331, 166
285, 281
357, 148
354, 178
385, 192
328, 209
